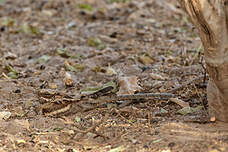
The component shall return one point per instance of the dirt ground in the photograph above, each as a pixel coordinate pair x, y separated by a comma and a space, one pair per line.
52, 50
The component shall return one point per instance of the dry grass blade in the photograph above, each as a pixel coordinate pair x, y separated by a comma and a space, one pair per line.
92, 129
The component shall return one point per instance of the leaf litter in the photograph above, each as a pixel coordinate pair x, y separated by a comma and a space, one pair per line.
94, 54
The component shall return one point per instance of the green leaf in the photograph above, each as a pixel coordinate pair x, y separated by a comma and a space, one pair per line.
188, 110
77, 56
12, 75
156, 141
163, 111
79, 67
69, 67
111, 86
63, 52
11, 69
132, 120
2, 2
7, 21
96, 42
30, 29
85, 7
88, 91
98, 69
57, 129
77, 119
43, 59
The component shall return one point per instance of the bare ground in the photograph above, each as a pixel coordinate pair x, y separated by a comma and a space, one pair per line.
149, 39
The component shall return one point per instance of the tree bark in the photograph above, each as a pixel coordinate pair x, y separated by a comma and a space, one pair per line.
211, 19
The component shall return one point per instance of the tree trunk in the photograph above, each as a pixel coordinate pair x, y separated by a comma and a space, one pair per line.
211, 19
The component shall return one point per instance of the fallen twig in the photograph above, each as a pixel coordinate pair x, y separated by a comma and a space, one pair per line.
130, 97
144, 96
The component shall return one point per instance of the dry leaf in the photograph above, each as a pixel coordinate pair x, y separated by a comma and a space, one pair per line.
68, 81
20, 141
179, 102
5, 115
156, 76
52, 85
49, 13
110, 71
128, 85
145, 59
